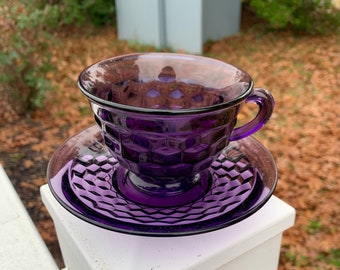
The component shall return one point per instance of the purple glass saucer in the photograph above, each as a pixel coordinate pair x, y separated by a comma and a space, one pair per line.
88, 182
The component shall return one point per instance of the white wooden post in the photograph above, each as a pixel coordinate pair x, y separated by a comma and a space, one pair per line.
253, 243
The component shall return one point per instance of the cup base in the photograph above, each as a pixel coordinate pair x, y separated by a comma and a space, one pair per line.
140, 191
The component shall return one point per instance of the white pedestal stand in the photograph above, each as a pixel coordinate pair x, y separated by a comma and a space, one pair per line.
253, 243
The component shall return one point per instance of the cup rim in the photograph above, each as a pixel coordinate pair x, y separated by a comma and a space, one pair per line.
130, 108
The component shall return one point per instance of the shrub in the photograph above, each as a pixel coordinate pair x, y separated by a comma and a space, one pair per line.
24, 57
79, 12
309, 16
26, 42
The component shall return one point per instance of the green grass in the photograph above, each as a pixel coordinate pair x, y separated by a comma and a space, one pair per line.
314, 226
332, 258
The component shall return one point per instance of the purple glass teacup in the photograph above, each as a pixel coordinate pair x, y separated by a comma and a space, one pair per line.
165, 117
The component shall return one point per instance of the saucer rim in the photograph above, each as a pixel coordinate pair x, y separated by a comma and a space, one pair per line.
243, 212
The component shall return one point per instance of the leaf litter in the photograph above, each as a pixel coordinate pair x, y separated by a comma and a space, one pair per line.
302, 72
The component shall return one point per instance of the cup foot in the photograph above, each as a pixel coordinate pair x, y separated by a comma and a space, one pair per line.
173, 193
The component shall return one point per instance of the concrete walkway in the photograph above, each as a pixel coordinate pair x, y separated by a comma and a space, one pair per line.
21, 246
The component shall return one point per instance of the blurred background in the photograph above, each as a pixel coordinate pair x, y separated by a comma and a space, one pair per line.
289, 47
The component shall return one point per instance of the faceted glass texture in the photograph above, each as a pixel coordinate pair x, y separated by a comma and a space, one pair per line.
89, 182
166, 117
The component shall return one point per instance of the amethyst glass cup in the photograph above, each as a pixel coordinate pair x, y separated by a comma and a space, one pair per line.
166, 117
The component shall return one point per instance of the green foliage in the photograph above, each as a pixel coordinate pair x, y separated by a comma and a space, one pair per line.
99, 12
331, 258
297, 260
26, 28
24, 56
80, 12
314, 226
308, 16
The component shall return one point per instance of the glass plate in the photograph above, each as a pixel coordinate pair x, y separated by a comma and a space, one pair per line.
88, 182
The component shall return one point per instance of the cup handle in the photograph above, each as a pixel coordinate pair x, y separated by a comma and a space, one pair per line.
265, 102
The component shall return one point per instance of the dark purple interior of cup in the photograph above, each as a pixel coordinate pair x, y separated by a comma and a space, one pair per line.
166, 82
